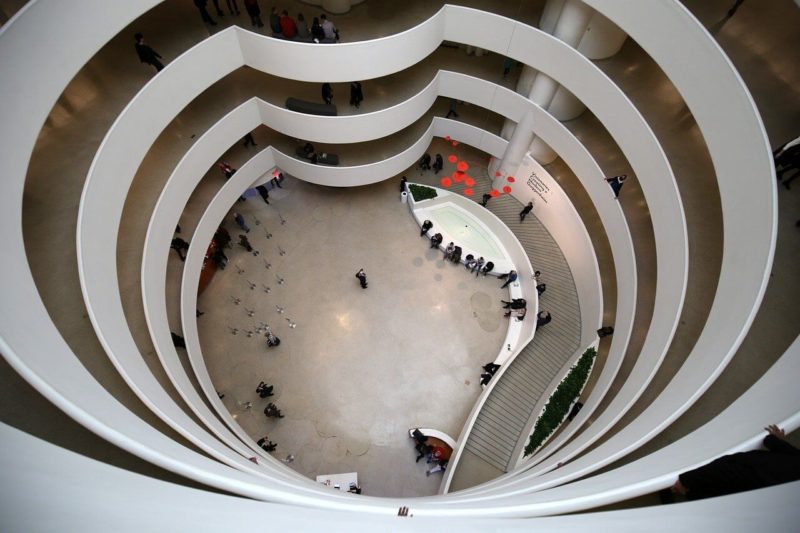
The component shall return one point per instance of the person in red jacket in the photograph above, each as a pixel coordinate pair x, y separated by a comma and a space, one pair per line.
288, 26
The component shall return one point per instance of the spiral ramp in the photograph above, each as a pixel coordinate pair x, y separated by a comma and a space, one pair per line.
661, 402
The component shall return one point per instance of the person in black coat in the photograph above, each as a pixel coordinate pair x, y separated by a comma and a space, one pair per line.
327, 93
201, 6
403, 185
525, 210
146, 54
438, 164
179, 245
426, 225
425, 162
356, 94
779, 463
254, 11
317, 33
264, 192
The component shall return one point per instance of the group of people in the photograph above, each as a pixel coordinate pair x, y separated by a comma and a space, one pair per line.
436, 454
425, 163
489, 370
452, 252
517, 307
356, 94
477, 266
282, 25
265, 391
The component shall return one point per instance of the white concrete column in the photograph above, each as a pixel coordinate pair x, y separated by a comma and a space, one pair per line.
569, 27
526, 78
516, 148
565, 106
602, 39
550, 14
508, 129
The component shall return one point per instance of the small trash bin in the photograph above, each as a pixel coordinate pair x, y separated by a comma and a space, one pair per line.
404, 197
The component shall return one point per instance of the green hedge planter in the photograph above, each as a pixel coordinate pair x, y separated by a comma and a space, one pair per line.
560, 402
420, 192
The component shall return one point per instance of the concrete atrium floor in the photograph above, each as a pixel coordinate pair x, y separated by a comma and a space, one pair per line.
362, 366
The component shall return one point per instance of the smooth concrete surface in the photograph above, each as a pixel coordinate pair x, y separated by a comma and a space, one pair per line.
362, 366
761, 40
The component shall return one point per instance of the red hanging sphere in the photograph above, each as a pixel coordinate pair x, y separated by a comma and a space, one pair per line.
511, 179
468, 192
494, 193
507, 189
446, 182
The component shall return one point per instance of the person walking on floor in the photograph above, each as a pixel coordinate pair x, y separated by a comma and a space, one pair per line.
485, 199
177, 340
240, 222
272, 411
251, 6
511, 278
248, 140
436, 240
179, 245
227, 170
233, 7
327, 93
146, 54
264, 192
616, 184
356, 94
245, 243
488, 267
362, 278
201, 6
525, 210
438, 164
425, 162
274, 21
403, 182
452, 110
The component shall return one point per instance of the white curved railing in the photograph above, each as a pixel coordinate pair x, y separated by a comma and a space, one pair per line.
78, 500
79, 397
119, 153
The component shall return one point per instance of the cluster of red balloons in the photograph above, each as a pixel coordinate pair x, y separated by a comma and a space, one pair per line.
460, 175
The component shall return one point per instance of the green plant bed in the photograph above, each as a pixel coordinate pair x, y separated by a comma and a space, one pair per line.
420, 192
560, 401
